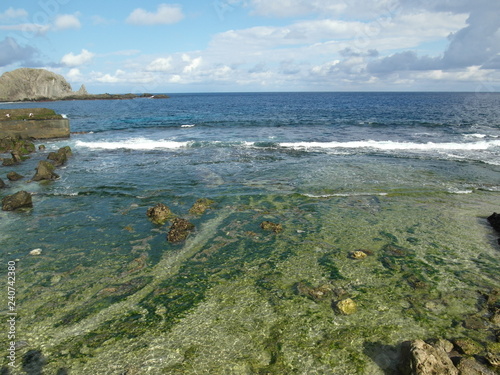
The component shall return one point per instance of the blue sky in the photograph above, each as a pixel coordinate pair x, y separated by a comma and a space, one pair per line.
257, 45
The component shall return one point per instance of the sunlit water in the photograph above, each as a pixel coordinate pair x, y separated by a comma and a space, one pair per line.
408, 178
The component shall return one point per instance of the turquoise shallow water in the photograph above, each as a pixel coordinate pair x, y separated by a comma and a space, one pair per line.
399, 176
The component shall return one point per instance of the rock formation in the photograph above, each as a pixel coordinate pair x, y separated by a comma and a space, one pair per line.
20, 199
160, 214
34, 84
45, 171
179, 230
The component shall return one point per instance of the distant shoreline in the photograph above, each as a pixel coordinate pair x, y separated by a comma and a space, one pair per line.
90, 97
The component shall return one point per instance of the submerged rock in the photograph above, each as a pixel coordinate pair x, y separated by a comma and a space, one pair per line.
36, 252
2, 184
272, 227
13, 176
200, 206
418, 357
358, 254
45, 171
317, 294
160, 214
179, 230
346, 306
18, 200
467, 346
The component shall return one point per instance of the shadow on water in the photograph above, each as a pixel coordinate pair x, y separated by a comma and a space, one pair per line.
386, 357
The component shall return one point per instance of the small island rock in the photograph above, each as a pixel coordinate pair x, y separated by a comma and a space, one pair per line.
179, 230
45, 171
159, 214
18, 200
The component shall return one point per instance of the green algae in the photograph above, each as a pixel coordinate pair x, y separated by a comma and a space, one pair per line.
226, 300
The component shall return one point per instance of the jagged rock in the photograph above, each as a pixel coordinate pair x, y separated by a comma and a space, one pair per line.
200, 206
346, 306
494, 221
14, 176
18, 200
45, 171
61, 156
270, 226
420, 358
160, 214
8, 162
2, 184
179, 230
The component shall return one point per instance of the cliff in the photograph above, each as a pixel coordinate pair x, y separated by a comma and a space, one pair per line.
35, 84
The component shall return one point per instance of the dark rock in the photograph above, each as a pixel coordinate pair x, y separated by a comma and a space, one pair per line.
2, 184
179, 230
41, 148
200, 206
467, 346
494, 221
20, 199
16, 157
45, 171
33, 362
160, 214
474, 322
420, 358
61, 156
270, 226
13, 176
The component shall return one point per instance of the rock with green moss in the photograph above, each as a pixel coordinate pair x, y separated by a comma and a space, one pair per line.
21, 199
467, 346
160, 214
200, 206
61, 156
346, 306
271, 227
179, 230
45, 171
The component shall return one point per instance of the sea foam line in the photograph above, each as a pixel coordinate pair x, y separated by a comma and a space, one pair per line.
133, 144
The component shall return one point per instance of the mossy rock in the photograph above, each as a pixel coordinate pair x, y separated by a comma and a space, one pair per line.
271, 227
160, 214
200, 206
179, 230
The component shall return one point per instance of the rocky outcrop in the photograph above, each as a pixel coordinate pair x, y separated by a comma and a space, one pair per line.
34, 84
179, 230
159, 214
45, 171
21, 199
420, 358
200, 206
61, 156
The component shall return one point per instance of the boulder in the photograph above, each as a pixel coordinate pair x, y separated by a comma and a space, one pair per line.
179, 230
420, 358
200, 206
346, 306
8, 162
18, 200
2, 184
469, 366
61, 156
270, 226
13, 176
160, 214
45, 171
494, 221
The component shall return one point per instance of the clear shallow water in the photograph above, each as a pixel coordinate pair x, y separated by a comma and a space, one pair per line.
408, 177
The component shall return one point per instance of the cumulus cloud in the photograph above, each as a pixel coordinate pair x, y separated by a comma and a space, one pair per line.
11, 52
71, 59
66, 21
161, 64
165, 14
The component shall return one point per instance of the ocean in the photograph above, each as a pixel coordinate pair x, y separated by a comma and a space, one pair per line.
407, 178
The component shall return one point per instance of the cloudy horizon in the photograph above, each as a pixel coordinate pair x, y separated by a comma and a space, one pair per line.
257, 45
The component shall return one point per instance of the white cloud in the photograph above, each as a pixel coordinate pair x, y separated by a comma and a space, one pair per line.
165, 14
74, 74
192, 64
12, 13
66, 21
161, 64
71, 59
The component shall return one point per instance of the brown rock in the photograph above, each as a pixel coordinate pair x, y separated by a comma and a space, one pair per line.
18, 200
270, 226
13, 176
45, 171
420, 358
179, 230
159, 214
200, 206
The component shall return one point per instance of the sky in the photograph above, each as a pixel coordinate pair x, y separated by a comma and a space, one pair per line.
256, 45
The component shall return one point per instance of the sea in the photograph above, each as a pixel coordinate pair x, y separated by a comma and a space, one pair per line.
408, 179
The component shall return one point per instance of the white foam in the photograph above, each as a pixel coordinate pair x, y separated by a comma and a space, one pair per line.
187, 126
133, 144
391, 145
343, 195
